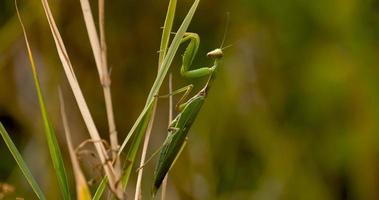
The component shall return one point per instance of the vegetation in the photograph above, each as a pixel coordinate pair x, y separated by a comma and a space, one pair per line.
292, 113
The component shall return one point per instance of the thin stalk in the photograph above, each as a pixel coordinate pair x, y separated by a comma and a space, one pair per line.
170, 116
99, 48
82, 189
106, 83
138, 193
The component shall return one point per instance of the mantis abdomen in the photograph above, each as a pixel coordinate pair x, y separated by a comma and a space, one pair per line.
178, 131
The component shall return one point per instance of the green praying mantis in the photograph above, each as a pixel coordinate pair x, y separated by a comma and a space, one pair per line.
188, 111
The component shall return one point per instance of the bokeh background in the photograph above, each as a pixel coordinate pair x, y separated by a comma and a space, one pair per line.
293, 113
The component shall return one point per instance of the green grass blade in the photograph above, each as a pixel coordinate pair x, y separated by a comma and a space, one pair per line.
100, 189
166, 33
52, 142
21, 163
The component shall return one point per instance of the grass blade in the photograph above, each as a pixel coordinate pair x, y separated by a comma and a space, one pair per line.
82, 189
52, 142
167, 29
21, 163
100, 189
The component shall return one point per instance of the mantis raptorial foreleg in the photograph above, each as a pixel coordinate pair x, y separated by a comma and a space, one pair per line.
189, 56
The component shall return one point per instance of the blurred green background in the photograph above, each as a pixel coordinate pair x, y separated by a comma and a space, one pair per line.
292, 115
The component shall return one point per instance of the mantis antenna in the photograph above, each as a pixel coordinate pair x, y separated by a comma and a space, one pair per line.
225, 30
223, 48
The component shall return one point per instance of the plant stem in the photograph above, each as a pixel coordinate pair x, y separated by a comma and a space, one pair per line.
138, 193
106, 83
170, 113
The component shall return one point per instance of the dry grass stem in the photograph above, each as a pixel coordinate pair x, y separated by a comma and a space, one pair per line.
82, 190
99, 48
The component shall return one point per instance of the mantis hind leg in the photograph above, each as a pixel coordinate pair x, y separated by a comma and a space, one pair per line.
189, 56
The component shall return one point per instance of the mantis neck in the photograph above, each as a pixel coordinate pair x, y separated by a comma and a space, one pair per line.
211, 78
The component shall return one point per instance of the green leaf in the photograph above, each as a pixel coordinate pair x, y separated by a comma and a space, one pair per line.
170, 16
52, 142
21, 163
100, 189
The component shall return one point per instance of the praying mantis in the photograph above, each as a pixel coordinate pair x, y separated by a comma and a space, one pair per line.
188, 111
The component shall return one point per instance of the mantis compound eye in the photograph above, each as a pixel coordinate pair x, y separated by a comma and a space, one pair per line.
217, 53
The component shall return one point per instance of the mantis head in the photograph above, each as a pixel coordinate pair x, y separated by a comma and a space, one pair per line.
217, 53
